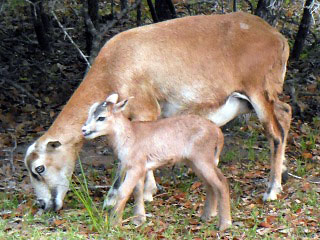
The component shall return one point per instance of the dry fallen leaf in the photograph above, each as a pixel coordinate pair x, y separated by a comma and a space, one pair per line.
180, 196
59, 222
271, 219
195, 185
307, 155
265, 225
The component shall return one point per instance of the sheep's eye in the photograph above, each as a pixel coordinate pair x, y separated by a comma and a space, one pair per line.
101, 118
40, 169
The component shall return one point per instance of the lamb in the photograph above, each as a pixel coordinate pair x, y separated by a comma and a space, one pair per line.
143, 146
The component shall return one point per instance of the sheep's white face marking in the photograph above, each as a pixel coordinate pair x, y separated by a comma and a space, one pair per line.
50, 165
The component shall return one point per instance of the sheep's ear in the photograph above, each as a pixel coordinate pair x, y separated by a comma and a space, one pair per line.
120, 106
113, 98
52, 145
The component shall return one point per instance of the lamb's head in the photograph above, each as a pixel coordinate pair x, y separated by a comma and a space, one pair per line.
103, 116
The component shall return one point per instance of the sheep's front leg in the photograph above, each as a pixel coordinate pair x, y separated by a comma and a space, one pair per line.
126, 188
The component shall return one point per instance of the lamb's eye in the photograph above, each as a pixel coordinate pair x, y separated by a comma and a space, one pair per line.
40, 169
101, 118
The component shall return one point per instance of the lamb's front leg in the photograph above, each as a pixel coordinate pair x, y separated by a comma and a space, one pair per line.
131, 179
110, 200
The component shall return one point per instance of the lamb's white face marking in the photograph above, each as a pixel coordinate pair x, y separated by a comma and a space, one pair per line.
95, 125
235, 105
101, 117
95, 122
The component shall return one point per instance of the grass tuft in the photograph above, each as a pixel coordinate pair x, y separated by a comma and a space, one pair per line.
82, 193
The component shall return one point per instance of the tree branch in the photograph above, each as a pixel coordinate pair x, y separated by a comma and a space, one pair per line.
70, 38
98, 36
119, 17
297, 177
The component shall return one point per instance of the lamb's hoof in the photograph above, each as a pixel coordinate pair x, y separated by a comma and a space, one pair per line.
148, 197
206, 217
139, 220
225, 225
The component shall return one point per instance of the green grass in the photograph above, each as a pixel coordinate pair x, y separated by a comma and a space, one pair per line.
82, 193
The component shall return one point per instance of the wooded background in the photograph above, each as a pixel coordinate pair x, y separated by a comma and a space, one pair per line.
50, 44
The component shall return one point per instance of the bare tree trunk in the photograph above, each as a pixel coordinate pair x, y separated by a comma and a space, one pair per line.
171, 8
269, 10
303, 30
165, 9
222, 6
139, 14
153, 11
123, 4
234, 5
39, 27
93, 14
112, 9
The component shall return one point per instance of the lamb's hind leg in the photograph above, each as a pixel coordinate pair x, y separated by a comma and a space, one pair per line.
139, 210
210, 206
219, 185
150, 187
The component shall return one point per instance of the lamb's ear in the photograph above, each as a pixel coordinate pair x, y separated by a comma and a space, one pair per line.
113, 98
120, 106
